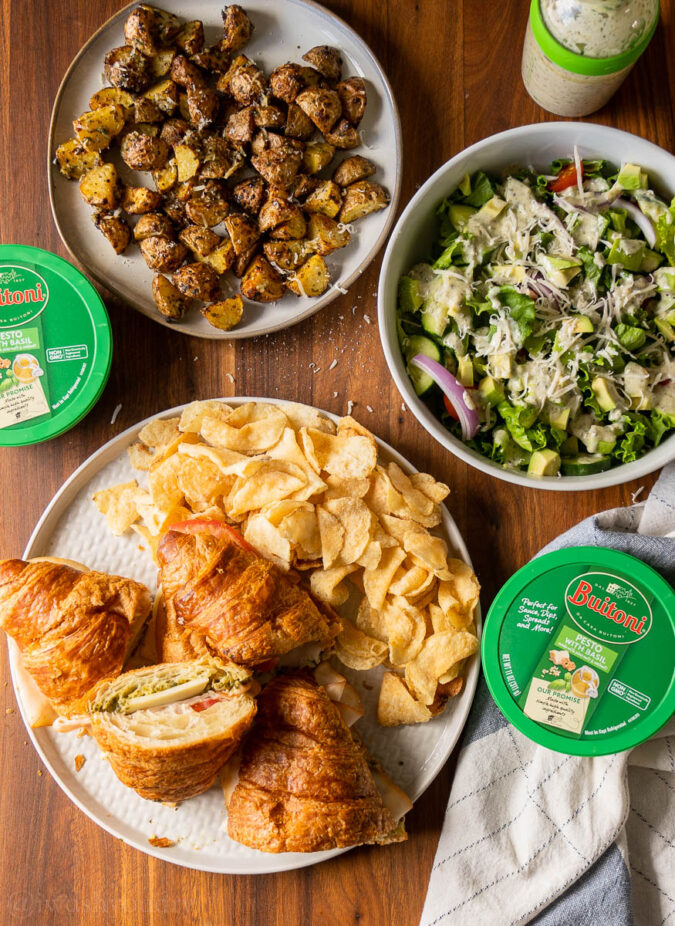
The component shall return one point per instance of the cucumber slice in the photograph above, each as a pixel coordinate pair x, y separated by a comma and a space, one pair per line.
435, 318
586, 464
418, 344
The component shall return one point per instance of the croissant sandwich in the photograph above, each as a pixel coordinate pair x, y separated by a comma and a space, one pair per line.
304, 782
168, 729
73, 627
222, 597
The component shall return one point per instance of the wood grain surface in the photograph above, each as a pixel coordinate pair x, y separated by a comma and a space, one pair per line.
455, 70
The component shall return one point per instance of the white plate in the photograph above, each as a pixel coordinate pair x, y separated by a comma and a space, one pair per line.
284, 30
71, 527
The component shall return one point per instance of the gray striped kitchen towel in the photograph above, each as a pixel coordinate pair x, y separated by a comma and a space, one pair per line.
534, 836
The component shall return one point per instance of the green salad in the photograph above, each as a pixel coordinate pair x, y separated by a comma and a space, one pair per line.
541, 329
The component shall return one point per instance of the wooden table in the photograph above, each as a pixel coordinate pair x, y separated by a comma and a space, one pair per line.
455, 69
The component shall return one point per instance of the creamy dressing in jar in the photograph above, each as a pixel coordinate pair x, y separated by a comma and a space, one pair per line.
578, 52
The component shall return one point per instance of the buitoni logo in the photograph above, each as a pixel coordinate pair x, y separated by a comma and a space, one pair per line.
608, 608
23, 295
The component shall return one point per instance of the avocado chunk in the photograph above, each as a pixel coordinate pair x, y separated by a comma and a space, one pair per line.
560, 270
491, 390
508, 273
465, 370
558, 416
605, 393
459, 215
465, 185
582, 324
650, 261
629, 252
666, 329
491, 210
650, 205
544, 463
632, 177
569, 447
500, 365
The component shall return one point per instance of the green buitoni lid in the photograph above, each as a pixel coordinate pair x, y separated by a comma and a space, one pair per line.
578, 651
55, 345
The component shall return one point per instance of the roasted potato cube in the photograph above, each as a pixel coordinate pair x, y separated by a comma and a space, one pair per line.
170, 301
244, 81
243, 261
147, 128
97, 128
311, 279
74, 159
298, 125
143, 152
152, 224
237, 28
286, 82
269, 117
201, 241
138, 200
115, 229
147, 111
208, 204
187, 162
183, 191
276, 210
278, 166
295, 227
361, 199
166, 24
175, 209
183, 109
353, 96
127, 68
166, 177
325, 235
302, 186
174, 131
311, 77
317, 155
243, 232
326, 60
160, 64
110, 96
353, 169
190, 38
140, 30
163, 254
240, 127
215, 60
221, 258
287, 255
224, 314
199, 281
203, 105
100, 186
219, 160
343, 135
164, 95
326, 199
186, 74
249, 194
261, 282
322, 106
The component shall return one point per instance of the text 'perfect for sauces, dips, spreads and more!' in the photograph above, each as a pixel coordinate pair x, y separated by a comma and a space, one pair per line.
579, 651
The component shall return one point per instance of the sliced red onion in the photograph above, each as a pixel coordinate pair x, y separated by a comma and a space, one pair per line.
453, 389
640, 219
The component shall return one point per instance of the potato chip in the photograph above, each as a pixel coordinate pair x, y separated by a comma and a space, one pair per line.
304, 416
357, 521
440, 621
412, 583
150, 514
343, 455
356, 650
201, 481
406, 630
118, 505
396, 705
376, 581
453, 611
426, 550
332, 535
159, 432
435, 658
370, 621
195, 412
413, 497
230, 462
301, 529
246, 433
271, 481
140, 456
163, 483
452, 672
287, 449
327, 584
371, 556
342, 488
250, 412
437, 491
386, 500
268, 540
466, 587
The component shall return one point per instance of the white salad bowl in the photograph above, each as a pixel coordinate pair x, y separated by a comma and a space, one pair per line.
412, 238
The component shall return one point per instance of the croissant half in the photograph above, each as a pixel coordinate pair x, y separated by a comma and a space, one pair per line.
223, 597
73, 627
168, 729
305, 783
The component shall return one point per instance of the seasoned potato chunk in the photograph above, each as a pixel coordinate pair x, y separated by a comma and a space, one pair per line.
243, 232
203, 105
298, 125
190, 38
311, 279
343, 135
322, 106
175, 209
199, 281
154, 223
140, 30
317, 155
326, 198
170, 301
353, 96
302, 186
353, 169
166, 24
164, 95
128, 68
163, 254
174, 131
325, 235
221, 258
114, 229
199, 240
361, 199
207, 204
276, 210
224, 314
243, 80
249, 194
286, 82
185, 73
97, 129
215, 59
278, 166
237, 28
138, 200
110, 96
146, 111
269, 117
187, 162
287, 255
261, 282
160, 64
219, 159
143, 152
240, 127
295, 227
243, 261
166, 177
99, 187
74, 159
326, 60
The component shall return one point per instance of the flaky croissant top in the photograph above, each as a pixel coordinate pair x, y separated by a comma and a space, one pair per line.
73, 628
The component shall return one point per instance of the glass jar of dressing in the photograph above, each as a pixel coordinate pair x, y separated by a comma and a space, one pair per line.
578, 52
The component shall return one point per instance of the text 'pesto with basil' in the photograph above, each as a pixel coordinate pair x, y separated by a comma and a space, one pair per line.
541, 329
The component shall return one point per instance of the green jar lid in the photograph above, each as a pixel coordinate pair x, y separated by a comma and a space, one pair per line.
55, 345
579, 64
578, 651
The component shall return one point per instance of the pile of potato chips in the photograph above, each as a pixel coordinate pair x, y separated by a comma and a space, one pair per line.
311, 495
